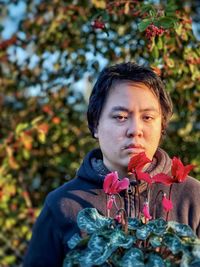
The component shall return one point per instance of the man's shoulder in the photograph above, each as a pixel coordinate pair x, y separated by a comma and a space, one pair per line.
70, 194
60, 203
192, 182
189, 189
62, 191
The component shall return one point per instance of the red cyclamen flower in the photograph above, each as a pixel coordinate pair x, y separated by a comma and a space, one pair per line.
112, 184
145, 211
137, 162
144, 176
179, 171
163, 178
167, 203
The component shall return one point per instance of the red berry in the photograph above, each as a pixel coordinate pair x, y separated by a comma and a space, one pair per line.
97, 24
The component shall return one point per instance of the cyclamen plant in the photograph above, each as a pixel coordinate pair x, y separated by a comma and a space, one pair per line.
142, 241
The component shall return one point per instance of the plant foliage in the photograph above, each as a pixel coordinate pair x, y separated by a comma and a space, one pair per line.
157, 243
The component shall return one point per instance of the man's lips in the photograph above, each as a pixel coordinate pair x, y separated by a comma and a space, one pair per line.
134, 146
134, 149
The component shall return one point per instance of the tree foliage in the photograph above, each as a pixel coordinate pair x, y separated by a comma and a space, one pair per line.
44, 134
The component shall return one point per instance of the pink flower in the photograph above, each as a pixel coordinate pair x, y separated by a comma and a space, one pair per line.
137, 162
112, 184
145, 211
167, 203
144, 176
110, 203
118, 218
179, 171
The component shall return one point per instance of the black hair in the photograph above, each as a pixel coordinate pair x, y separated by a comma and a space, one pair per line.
126, 72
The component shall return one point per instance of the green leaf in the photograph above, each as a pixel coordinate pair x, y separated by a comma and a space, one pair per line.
93, 257
134, 223
74, 240
173, 243
98, 242
155, 52
185, 260
143, 232
165, 22
120, 239
37, 119
101, 14
113, 238
42, 137
90, 220
26, 154
155, 261
192, 246
20, 127
158, 226
181, 229
160, 43
148, 8
133, 257
155, 241
196, 249
71, 258
195, 263
144, 24
171, 7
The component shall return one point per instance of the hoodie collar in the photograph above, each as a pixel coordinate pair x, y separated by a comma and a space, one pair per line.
93, 169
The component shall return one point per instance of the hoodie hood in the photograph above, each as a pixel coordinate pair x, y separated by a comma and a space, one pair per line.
92, 168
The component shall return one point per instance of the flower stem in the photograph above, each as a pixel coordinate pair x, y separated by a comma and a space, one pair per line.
170, 193
120, 199
138, 193
154, 205
124, 220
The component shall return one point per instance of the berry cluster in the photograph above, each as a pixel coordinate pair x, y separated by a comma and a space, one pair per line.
98, 24
153, 31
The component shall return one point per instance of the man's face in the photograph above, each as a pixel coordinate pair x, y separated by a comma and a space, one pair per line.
130, 123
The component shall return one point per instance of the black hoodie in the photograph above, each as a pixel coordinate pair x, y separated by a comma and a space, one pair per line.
57, 220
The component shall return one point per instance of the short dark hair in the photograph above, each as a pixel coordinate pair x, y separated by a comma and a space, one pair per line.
126, 72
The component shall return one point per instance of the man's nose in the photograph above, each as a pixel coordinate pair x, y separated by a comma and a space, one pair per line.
134, 127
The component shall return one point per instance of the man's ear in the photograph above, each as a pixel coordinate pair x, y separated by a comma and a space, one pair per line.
96, 133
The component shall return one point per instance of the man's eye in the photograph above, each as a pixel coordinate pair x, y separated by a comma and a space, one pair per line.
148, 118
120, 118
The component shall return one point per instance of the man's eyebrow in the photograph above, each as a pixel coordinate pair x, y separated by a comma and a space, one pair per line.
150, 109
122, 108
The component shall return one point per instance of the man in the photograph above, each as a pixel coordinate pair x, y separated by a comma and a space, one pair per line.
128, 113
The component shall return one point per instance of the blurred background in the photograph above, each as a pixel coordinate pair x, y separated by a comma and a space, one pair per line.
50, 55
